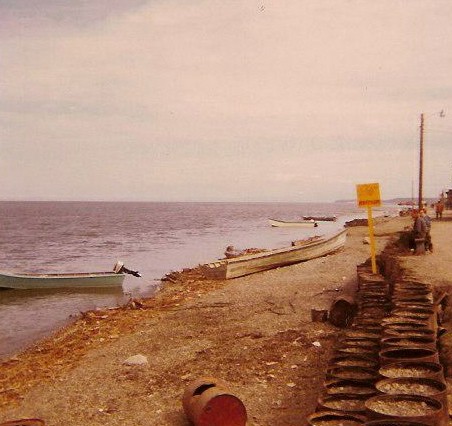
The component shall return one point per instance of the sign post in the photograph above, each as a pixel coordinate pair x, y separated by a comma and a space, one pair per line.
369, 195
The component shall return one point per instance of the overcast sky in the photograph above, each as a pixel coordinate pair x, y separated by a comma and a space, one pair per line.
270, 100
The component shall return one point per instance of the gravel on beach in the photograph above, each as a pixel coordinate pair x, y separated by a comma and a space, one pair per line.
255, 332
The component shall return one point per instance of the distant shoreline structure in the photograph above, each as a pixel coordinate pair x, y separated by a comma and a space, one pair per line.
401, 201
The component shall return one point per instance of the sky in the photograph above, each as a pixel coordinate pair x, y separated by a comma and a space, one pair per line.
208, 100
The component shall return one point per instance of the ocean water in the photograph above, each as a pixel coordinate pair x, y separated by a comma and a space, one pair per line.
153, 238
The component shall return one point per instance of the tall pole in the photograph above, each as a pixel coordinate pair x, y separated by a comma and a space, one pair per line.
421, 160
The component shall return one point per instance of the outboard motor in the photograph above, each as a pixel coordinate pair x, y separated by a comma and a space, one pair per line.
119, 268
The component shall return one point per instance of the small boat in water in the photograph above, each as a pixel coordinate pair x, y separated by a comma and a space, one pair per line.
293, 224
321, 218
27, 281
249, 264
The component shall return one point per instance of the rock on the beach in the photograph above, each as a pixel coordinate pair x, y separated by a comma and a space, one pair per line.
136, 360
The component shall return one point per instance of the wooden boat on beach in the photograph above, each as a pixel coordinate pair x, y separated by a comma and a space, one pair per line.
27, 281
286, 224
249, 264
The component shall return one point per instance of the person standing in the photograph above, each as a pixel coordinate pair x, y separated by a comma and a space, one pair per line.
428, 225
419, 230
439, 207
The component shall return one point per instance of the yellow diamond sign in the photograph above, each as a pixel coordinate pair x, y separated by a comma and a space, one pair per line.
368, 194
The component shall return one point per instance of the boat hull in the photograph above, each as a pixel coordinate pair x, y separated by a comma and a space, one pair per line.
245, 265
43, 281
286, 224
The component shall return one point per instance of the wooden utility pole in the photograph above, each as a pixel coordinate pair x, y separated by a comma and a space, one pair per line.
421, 161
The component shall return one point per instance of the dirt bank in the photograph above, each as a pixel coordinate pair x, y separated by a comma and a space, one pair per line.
255, 332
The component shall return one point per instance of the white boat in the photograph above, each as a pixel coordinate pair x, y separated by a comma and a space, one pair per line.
292, 224
249, 264
27, 281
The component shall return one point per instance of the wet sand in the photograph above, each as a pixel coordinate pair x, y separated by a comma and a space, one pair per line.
254, 332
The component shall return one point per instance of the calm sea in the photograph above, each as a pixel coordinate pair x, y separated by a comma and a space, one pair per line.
153, 238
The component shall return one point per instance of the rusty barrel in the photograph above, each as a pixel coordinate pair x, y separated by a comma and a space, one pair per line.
361, 374
414, 386
407, 331
393, 423
412, 341
334, 418
415, 369
413, 408
349, 387
352, 361
349, 403
418, 354
342, 311
208, 401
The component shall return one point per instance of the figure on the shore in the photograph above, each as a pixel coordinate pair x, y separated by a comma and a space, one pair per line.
439, 207
428, 225
419, 230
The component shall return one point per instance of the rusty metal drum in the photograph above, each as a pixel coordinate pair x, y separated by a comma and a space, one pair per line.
333, 418
414, 369
414, 386
393, 423
413, 408
209, 402
417, 354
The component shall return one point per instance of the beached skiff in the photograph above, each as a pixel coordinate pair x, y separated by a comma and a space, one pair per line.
285, 223
249, 264
27, 281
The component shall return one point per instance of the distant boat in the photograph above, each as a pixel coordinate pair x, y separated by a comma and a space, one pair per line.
249, 264
321, 218
27, 281
286, 224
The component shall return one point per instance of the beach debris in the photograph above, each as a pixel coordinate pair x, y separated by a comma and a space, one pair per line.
208, 399
172, 276
317, 344
232, 252
134, 304
24, 422
136, 360
319, 315
184, 276
366, 240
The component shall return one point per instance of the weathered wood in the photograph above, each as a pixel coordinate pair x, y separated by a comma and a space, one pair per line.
249, 264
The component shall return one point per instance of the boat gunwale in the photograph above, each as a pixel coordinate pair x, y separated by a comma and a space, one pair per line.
273, 252
69, 275
300, 222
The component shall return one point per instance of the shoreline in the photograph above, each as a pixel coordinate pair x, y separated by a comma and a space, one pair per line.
254, 332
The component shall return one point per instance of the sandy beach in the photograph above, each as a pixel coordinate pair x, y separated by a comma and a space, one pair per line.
255, 332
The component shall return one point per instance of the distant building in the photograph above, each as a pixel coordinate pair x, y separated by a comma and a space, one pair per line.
449, 199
